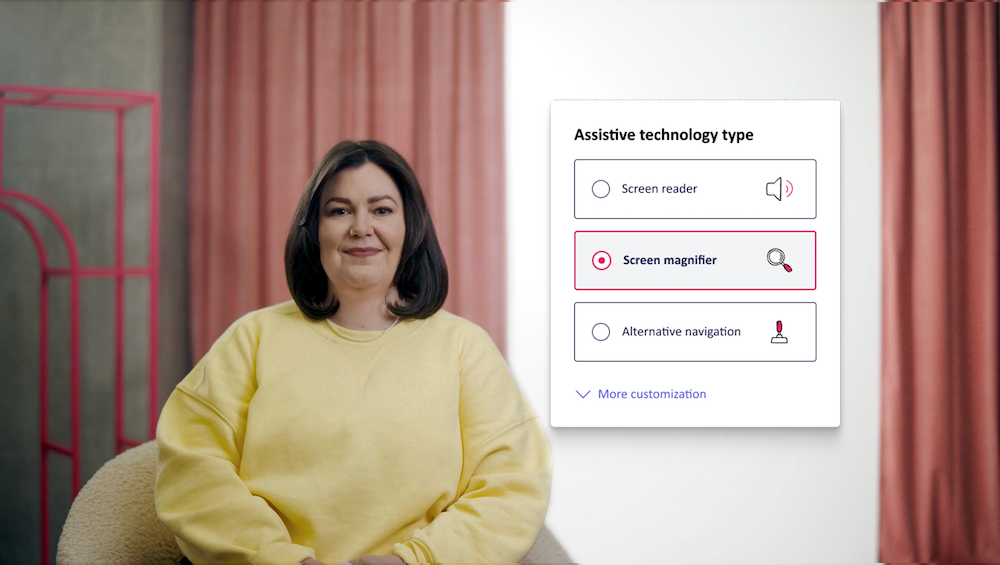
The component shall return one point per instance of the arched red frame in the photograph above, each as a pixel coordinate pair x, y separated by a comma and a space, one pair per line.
118, 103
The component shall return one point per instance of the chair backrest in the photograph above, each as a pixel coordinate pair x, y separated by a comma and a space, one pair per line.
113, 519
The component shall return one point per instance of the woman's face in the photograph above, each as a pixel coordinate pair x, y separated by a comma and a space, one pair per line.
361, 229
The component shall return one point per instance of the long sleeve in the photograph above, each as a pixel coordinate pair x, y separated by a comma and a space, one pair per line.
200, 496
506, 473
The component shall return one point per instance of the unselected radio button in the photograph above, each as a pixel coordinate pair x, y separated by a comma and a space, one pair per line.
601, 188
600, 332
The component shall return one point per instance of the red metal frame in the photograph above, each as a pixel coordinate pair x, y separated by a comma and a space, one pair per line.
119, 102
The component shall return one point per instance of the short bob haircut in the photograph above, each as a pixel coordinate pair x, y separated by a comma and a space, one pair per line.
421, 279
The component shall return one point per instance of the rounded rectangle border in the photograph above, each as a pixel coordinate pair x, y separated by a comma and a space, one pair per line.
815, 194
815, 348
815, 258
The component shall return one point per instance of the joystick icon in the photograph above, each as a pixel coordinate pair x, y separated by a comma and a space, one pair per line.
779, 338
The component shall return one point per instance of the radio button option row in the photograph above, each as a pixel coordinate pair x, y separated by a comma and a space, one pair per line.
695, 331
694, 188
695, 260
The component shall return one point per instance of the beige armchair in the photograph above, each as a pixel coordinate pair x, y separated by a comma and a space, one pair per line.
113, 519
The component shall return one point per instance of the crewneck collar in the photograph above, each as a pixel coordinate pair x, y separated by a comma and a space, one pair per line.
401, 330
361, 334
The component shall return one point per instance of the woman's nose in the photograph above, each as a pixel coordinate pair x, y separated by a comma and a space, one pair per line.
362, 225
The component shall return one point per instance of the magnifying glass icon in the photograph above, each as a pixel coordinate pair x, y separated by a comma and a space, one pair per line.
777, 257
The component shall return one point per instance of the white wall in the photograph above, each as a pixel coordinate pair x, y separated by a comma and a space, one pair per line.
696, 495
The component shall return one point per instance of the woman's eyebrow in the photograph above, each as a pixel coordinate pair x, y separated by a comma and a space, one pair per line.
371, 200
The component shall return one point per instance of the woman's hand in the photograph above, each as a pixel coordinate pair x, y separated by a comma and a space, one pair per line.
378, 560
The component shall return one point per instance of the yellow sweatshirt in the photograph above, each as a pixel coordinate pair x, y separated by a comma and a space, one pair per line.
287, 441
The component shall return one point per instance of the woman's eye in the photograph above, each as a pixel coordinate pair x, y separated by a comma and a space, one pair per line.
383, 211
338, 211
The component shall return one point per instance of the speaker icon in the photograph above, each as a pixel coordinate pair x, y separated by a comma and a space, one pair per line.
777, 189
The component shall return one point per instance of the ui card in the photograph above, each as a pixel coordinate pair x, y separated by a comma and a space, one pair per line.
695, 263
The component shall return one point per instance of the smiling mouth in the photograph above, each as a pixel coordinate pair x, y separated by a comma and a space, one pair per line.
363, 251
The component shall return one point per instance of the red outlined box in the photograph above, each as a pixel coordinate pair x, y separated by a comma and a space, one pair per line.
576, 266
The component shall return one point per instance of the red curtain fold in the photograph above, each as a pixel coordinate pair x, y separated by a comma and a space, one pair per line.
277, 84
940, 476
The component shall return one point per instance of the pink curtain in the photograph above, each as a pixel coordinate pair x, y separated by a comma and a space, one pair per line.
277, 84
940, 479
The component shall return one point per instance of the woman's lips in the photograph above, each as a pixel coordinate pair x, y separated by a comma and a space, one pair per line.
363, 251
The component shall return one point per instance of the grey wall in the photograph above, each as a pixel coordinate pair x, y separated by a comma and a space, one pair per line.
67, 159
717, 495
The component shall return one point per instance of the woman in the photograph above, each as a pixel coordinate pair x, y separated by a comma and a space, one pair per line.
359, 422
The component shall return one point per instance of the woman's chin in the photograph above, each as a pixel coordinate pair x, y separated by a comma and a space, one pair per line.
365, 282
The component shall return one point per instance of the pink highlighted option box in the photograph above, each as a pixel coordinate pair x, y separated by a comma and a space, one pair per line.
694, 260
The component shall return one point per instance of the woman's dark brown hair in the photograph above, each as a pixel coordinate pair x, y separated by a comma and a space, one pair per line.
422, 276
